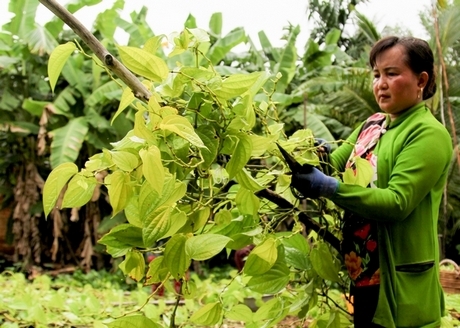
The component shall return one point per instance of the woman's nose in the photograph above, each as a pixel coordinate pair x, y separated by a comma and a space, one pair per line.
382, 83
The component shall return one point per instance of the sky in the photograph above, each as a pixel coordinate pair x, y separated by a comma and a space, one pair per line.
270, 16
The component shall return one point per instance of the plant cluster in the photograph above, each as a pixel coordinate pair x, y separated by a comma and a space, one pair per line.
188, 176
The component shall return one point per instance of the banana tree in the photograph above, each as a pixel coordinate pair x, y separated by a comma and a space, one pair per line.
44, 127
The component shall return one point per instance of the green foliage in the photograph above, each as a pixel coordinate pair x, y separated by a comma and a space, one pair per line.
181, 170
103, 299
57, 61
182, 177
55, 182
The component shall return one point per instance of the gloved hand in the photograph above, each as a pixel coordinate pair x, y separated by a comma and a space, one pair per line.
323, 151
325, 147
314, 184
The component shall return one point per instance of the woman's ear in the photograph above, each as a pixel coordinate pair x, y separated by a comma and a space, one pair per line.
422, 80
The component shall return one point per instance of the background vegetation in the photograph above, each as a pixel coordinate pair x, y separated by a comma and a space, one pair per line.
326, 90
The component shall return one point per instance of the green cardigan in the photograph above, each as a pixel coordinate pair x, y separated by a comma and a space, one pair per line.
413, 158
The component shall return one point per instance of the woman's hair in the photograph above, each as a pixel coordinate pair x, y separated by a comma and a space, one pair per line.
419, 58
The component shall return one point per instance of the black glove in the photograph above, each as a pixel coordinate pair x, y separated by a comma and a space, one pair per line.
314, 184
324, 146
323, 151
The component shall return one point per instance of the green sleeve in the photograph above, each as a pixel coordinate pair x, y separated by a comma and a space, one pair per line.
418, 168
340, 156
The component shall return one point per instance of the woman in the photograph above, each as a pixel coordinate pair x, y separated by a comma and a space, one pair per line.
390, 228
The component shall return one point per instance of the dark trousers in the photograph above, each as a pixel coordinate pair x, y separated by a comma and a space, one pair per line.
365, 303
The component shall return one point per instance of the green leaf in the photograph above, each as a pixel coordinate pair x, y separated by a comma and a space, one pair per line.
57, 61
333, 36
210, 139
133, 265
9, 101
247, 181
106, 21
140, 128
215, 24
181, 43
156, 225
203, 247
321, 259
149, 199
240, 156
56, 180
108, 223
133, 321
190, 22
182, 127
41, 41
99, 162
288, 61
24, 18
267, 47
64, 101
34, 107
245, 116
317, 126
125, 160
237, 84
6, 61
240, 312
133, 30
143, 63
200, 35
361, 175
79, 191
24, 128
208, 315
127, 97
128, 141
223, 45
157, 271
296, 251
152, 168
154, 43
257, 85
123, 235
120, 190
132, 212
196, 220
176, 258
261, 258
272, 281
247, 202
108, 91
178, 220
227, 226
67, 141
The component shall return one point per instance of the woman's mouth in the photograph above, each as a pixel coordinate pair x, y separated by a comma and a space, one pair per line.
383, 97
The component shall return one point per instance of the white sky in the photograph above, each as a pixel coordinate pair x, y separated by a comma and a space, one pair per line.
167, 16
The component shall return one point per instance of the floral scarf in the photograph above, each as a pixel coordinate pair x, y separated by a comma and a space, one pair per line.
360, 244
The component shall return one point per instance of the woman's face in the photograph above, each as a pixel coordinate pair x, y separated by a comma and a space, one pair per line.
396, 86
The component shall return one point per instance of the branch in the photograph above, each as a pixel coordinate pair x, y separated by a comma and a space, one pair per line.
139, 90
305, 219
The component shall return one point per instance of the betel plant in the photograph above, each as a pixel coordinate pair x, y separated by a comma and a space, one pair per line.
200, 173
